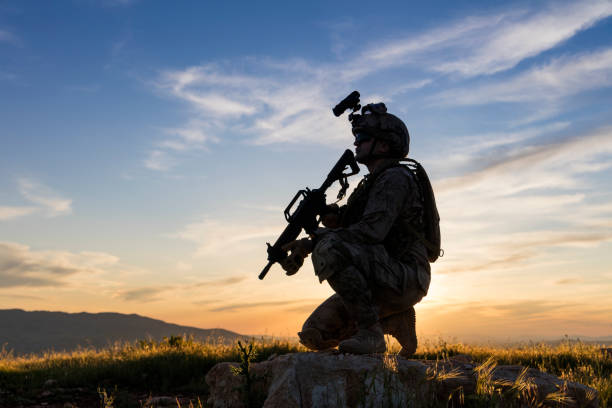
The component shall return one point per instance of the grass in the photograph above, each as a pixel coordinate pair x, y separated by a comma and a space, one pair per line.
126, 375
175, 365
570, 360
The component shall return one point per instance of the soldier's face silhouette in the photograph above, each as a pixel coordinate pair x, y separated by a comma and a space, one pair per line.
368, 149
363, 145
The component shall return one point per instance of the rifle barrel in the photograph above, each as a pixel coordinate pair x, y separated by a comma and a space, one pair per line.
265, 270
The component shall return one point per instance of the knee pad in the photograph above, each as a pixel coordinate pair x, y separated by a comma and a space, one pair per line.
326, 257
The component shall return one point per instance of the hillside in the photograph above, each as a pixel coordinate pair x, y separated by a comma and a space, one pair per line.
37, 331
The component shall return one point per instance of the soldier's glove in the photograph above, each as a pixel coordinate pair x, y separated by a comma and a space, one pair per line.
299, 250
331, 217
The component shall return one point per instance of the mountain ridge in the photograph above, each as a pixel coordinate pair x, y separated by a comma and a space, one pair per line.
37, 331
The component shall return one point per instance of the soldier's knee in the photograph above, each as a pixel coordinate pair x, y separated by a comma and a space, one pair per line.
327, 256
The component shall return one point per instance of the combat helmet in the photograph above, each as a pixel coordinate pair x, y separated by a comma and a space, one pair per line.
376, 122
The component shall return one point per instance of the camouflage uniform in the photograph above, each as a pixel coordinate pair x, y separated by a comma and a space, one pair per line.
377, 269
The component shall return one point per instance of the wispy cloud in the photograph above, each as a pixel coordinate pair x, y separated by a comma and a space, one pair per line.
464, 152
21, 266
154, 293
50, 203
529, 187
252, 305
216, 237
159, 160
273, 106
485, 44
516, 251
196, 85
9, 213
569, 281
47, 202
195, 135
517, 36
408, 86
20, 297
552, 81
288, 101
515, 166
232, 280
143, 295
421, 48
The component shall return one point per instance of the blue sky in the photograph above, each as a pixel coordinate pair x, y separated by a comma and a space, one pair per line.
148, 150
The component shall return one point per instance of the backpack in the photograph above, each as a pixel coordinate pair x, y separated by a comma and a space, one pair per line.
430, 236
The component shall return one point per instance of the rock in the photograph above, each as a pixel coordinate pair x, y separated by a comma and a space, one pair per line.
161, 401
461, 358
50, 383
545, 386
330, 379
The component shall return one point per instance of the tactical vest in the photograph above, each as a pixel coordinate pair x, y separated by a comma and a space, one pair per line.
401, 237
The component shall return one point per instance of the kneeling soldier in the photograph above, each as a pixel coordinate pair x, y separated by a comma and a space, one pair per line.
371, 252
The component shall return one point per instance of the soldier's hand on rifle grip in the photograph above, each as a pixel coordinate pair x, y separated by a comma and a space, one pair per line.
331, 217
299, 250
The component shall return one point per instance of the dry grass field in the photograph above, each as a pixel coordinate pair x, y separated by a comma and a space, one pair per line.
171, 372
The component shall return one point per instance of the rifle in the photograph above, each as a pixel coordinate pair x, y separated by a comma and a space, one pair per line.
310, 207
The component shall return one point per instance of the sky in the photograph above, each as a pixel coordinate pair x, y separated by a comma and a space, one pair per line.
148, 149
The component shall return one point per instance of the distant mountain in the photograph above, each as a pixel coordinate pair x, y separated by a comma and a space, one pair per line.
33, 332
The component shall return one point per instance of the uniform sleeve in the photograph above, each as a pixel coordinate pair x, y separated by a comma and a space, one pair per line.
386, 200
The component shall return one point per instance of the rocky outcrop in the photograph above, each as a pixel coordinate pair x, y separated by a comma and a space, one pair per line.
341, 380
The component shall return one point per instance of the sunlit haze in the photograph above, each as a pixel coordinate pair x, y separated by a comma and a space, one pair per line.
148, 149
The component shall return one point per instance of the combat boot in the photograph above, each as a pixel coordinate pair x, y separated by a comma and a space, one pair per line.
312, 339
366, 341
402, 326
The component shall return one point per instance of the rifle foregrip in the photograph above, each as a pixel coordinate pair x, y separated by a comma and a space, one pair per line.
265, 270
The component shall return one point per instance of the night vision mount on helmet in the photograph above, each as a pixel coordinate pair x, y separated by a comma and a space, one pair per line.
375, 122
